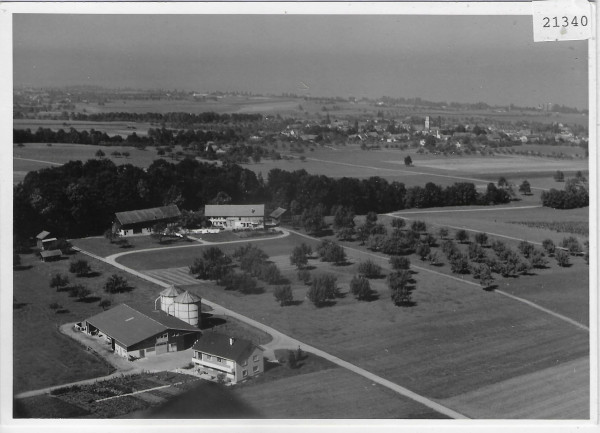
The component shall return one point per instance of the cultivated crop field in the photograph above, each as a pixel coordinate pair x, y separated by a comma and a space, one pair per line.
228, 104
456, 339
111, 128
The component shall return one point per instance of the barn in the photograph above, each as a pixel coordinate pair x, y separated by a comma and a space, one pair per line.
137, 332
140, 222
236, 216
45, 242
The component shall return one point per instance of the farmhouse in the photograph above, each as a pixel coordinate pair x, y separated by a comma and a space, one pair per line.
49, 255
140, 222
236, 358
137, 332
230, 217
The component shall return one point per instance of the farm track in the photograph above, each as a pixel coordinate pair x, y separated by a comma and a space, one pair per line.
37, 160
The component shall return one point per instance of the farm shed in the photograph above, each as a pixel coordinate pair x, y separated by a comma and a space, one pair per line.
137, 332
236, 358
49, 255
236, 216
45, 242
140, 222
276, 216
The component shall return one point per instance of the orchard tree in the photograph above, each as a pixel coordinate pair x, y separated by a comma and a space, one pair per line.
81, 268
105, 303
369, 269
418, 226
298, 257
361, 288
100, 154
343, 217
158, 231
485, 276
526, 248
481, 238
82, 292
398, 223
548, 245
443, 233
408, 161
398, 282
116, 284
58, 281
525, 188
283, 295
423, 251
399, 262
562, 258
462, 236
559, 176
323, 289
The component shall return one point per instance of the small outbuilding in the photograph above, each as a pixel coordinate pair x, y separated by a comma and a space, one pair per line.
140, 222
237, 359
276, 216
45, 242
50, 255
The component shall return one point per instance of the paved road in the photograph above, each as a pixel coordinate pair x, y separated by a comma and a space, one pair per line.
282, 341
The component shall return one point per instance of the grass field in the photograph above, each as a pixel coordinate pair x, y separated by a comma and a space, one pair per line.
35, 156
456, 339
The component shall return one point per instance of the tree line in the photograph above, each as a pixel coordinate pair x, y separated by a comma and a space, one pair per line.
80, 199
178, 118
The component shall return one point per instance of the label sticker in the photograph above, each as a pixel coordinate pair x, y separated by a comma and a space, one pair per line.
561, 20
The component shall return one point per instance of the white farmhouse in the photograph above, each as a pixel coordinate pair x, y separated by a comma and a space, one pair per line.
236, 216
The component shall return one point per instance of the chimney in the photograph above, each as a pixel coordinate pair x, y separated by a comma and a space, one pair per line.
231, 341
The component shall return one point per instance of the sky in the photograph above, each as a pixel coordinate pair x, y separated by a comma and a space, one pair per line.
492, 59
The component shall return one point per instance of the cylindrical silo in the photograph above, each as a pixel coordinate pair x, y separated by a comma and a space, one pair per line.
166, 298
187, 308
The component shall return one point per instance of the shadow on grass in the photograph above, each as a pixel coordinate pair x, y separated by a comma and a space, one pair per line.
209, 321
62, 311
91, 274
19, 305
491, 288
345, 263
325, 304
22, 267
90, 299
294, 303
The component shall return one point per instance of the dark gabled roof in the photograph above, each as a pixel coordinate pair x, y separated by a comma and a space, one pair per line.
148, 215
219, 345
278, 212
129, 325
50, 253
234, 210
42, 235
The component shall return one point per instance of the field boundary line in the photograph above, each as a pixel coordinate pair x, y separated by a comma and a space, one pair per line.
471, 283
397, 214
37, 160
413, 172
285, 341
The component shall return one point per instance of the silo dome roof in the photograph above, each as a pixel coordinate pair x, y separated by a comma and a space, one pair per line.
171, 292
187, 298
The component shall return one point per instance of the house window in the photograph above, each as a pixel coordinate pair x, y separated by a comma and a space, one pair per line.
219, 359
244, 373
208, 357
255, 369
255, 358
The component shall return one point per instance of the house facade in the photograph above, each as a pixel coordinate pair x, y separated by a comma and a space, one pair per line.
140, 222
236, 217
234, 358
137, 332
